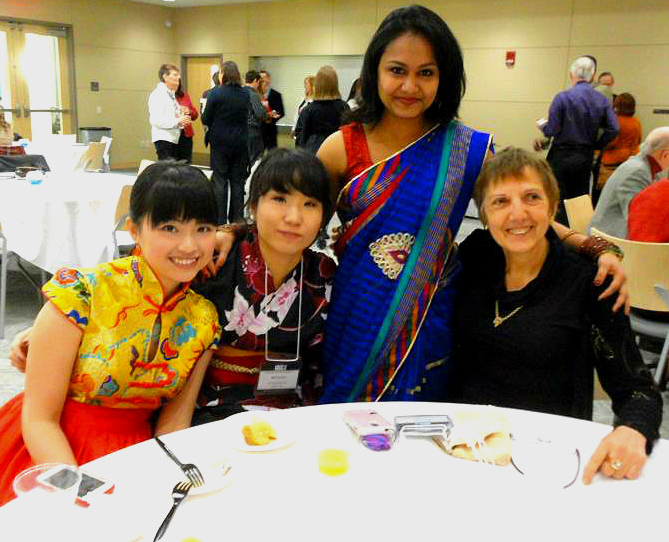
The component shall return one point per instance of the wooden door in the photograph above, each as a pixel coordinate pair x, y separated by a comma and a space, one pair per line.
34, 79
198, 79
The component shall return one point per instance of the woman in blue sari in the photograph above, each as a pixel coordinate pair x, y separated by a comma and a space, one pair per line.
404, 170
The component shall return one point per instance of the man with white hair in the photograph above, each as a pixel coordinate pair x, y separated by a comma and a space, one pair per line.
630, 178
580, 120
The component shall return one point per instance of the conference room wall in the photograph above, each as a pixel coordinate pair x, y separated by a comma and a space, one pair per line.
119, 44
628, 37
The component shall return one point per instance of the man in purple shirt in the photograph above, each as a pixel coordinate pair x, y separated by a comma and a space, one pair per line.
580, 120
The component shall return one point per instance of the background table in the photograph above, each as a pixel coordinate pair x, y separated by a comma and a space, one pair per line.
412, 492
66, 221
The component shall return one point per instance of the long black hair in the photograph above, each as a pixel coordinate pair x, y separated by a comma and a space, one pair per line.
170, 190
284, 170
447, 53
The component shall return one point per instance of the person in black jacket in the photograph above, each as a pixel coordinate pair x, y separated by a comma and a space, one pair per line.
276, 111
321, 117
528, 316
226, 115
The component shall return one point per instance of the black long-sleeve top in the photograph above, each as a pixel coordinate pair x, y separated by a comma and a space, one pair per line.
226, 115
541, 358
317, 121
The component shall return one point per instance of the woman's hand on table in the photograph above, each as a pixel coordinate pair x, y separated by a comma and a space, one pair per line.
621, 454
18, 350
609, 264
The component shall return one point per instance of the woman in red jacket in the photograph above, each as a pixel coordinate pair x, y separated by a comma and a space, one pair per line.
185, 144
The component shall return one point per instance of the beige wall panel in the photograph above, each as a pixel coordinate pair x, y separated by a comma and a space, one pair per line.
354, 23
537, 75
55, 11
605, 22
297, 27
118, 69
212, 29
500, 23
124, 25
510, 123
640, 70
126, 113
650, 120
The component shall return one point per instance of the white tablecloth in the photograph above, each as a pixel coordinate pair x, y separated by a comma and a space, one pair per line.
61, 156
412, 492
66, 221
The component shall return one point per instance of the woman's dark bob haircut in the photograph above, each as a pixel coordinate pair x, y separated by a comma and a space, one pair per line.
423, 22
170, 190
284, 170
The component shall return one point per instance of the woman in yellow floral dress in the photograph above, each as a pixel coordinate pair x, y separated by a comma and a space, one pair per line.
116, 342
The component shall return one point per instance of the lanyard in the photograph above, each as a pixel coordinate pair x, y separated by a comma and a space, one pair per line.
299, 318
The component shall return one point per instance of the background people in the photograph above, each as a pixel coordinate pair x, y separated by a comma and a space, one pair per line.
226, 115
580, 120
257, 116
276, 111
185, 143
630, 178
625, 144
165, 114
323, 116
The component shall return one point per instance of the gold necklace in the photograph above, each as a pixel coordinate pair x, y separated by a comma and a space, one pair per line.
499, 320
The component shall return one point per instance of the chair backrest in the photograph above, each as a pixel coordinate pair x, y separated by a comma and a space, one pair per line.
144, 164
92, 159
579, 212
122, 207
107, 141
646, 265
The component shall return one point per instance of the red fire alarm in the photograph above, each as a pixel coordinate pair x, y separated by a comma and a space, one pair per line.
510, 58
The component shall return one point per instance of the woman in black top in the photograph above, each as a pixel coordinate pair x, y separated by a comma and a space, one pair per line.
525, 317
322, 117
226, 116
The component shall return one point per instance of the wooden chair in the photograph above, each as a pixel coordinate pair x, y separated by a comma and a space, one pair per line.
122, 213
105, 157
579, 212
92, 159
646, 265
144, 164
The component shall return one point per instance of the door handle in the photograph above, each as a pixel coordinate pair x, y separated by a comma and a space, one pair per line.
26, 112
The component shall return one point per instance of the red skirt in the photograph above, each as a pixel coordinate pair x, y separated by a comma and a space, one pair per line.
92, 431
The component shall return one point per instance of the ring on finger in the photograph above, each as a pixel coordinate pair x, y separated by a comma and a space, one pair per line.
616, 464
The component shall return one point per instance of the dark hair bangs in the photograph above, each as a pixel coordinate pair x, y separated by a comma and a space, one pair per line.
284, 170
168, 191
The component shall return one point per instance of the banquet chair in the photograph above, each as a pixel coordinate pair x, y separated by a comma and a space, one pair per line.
122, 213
144, 164
646, 267
105, 157
579, 212
92, 159
3, 283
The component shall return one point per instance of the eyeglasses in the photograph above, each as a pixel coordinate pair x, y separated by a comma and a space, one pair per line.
545, 462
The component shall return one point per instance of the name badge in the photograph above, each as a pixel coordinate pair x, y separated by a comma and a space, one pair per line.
278, 377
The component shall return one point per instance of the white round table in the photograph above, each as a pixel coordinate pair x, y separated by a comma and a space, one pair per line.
412, 492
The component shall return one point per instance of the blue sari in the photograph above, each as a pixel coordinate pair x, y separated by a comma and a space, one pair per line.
388, 331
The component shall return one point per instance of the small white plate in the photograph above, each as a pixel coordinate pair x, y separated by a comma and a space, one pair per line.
285, 436
217, 475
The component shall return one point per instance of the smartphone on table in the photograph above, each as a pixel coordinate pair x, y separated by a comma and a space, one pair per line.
373, 430
91, 487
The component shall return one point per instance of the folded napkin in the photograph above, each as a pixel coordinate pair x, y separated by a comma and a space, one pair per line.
481, 435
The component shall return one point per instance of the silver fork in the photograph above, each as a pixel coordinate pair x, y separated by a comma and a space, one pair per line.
179, 494
189, 469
